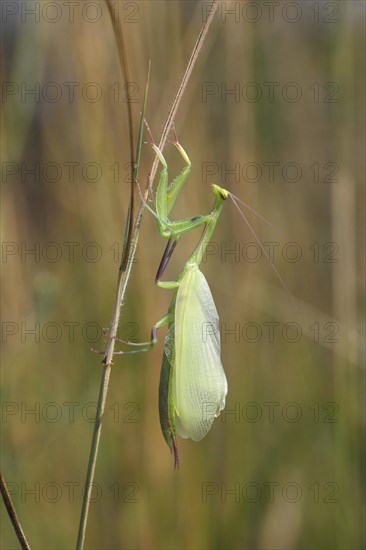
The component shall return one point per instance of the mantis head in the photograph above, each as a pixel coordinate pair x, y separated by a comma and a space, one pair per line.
219, 192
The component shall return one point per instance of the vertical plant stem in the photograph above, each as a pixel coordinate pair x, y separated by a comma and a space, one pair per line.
123, 271
106, 372
122, 282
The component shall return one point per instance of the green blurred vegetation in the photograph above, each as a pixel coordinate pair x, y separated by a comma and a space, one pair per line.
293, 449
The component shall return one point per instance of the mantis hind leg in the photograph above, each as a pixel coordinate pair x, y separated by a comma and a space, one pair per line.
145, 346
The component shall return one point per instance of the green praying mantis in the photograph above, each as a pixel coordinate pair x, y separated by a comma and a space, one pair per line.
193, 385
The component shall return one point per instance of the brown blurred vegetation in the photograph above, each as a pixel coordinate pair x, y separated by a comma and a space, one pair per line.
317, 381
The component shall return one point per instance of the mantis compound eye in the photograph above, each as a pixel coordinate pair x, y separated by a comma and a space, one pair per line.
220, 192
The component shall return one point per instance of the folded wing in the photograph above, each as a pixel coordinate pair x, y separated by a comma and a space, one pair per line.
199, 383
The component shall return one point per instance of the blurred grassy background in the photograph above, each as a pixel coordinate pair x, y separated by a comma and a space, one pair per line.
292, 450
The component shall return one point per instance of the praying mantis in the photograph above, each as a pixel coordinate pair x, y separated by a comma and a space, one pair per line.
193, 385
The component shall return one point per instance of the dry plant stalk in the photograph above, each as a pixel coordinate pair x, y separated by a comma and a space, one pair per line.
13, 515
129, 251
